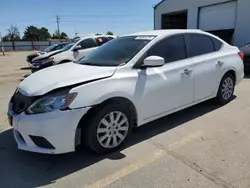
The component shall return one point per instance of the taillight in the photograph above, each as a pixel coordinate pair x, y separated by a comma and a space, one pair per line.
241, 54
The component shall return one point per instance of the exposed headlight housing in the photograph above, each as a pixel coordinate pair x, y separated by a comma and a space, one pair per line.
50, 59
51, 103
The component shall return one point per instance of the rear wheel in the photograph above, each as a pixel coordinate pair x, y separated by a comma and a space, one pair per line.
109, 128
226, 89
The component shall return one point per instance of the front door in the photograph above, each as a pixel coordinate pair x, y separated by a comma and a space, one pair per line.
170, 86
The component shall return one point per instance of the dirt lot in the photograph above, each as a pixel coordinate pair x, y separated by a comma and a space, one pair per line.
204, 146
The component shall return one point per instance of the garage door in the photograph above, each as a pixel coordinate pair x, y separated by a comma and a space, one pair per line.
218, 17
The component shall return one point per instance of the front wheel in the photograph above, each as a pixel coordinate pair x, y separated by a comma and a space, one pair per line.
226, 89
109, 128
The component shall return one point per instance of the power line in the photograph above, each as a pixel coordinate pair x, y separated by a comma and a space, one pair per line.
108, 21
103, 15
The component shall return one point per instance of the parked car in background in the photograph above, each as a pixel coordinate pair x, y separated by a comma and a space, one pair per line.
44, 60
73, 52
51, 48
246, 50
130, 81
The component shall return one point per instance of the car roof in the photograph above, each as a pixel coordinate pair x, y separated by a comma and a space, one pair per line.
96, 36
166, 32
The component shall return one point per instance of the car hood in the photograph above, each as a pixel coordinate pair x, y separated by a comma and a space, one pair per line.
46, 55
59, 76
33, 54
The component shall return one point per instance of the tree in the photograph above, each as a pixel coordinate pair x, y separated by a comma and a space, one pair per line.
31, 33
98, 34
64, 35
56, 35
13, 34
44, 33
109, 33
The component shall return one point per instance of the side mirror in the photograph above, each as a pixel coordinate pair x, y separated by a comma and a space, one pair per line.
78, 47
153, 61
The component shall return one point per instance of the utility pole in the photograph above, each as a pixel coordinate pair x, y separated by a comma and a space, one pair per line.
58, 21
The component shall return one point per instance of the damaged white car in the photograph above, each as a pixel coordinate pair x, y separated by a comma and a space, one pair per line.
127, 82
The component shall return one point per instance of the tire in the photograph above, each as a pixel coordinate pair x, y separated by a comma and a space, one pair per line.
100, 135
226, 89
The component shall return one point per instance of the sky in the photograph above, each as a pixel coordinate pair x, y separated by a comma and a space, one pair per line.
78, 16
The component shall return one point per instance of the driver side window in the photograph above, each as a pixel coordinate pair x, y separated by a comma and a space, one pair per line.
171, 49
87, 43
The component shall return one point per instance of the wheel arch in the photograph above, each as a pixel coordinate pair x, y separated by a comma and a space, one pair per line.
232, 72
229, 71
121, 100
95, 108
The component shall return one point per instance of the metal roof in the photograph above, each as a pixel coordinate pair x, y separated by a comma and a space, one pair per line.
159, 3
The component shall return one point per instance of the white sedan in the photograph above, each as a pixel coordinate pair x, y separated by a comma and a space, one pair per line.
125, 83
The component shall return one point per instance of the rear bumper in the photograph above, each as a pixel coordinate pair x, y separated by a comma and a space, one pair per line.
51, 133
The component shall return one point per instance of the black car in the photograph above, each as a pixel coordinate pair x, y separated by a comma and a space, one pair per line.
246, 50
51, 48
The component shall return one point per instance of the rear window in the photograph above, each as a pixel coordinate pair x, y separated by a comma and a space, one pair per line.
217, 44
199, 45
101, 40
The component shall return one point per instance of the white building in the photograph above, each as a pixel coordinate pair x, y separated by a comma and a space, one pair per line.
228, 19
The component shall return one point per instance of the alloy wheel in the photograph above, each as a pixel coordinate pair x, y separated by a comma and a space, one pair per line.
112, 129
227, 88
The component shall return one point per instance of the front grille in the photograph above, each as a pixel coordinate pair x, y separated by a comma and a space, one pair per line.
21, 102
31, 57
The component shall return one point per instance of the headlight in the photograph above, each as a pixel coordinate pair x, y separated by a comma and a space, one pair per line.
50, 59
51, 103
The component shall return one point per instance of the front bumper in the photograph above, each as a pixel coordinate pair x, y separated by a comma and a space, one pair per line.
58, 128
40, 67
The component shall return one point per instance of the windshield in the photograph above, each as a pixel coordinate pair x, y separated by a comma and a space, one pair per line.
50, 48
67, 47
117, 51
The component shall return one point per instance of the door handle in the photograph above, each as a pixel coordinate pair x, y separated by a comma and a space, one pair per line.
187, 72
220, 63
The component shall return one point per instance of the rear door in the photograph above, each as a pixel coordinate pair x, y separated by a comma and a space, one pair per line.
208, 65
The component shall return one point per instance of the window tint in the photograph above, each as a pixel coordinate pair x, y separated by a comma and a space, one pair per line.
217, 44
87, 43
110, 38
171, 49
59, 46
101, 40
199, 45
116, 52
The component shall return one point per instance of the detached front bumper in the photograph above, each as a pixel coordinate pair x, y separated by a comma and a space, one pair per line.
35, 67
51, 133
